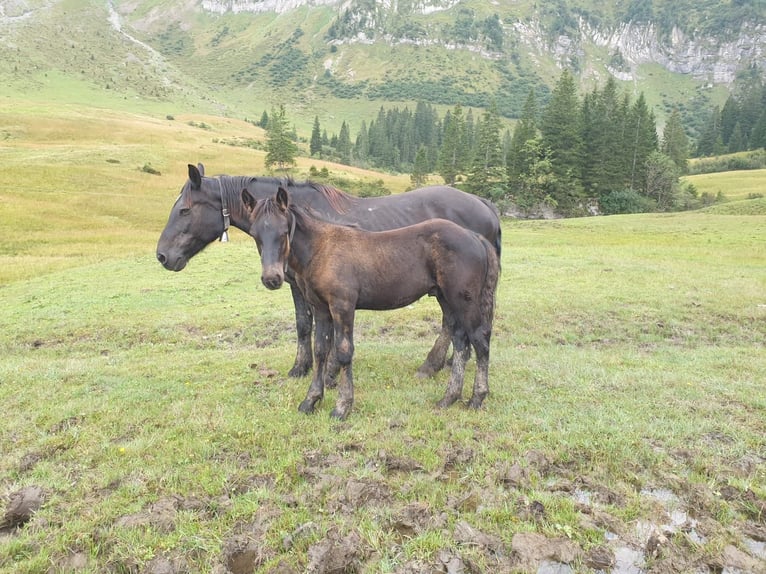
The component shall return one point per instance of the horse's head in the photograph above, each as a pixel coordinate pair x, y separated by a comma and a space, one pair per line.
272, 226
195, 221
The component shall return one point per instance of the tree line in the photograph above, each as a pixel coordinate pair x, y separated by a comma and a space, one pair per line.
602, 147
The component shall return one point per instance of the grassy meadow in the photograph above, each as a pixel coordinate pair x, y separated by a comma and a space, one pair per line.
624, 431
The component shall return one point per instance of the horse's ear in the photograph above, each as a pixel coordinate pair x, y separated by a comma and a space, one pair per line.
248, 199
195, 176
283, 200
201, 169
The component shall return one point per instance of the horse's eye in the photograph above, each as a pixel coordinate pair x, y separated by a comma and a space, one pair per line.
184, 211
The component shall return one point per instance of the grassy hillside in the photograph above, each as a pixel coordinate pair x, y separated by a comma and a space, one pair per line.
76, 184
175, 56
149, 413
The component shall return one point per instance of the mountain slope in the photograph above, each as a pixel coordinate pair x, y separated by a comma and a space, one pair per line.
340, 60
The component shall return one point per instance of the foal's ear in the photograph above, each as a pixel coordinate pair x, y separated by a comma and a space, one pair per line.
248, 199
283, 200
195, 175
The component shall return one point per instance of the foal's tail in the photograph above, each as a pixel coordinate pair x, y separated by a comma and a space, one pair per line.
491, 277
498, 243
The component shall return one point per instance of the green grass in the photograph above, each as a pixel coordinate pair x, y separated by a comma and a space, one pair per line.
153, 407
732, 185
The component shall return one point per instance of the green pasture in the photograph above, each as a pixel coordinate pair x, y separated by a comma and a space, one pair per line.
733, 185
154, 411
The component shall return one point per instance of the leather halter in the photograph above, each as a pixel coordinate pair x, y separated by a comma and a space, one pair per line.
224, 212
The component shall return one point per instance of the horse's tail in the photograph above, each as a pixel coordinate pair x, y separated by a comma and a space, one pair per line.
498, 243
491, 278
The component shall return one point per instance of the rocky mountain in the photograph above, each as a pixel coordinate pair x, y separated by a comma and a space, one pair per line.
320, 56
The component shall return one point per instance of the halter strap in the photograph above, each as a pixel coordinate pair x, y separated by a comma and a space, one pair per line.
224, 212
292, 230
290, 239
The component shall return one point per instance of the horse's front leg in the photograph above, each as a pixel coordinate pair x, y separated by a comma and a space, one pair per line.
343, 328
438, 354
304, 323
321, 350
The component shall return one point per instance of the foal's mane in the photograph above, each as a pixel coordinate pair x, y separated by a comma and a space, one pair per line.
301, 213
339, 200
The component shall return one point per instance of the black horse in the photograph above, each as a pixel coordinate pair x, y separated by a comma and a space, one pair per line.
207, 205
340, 269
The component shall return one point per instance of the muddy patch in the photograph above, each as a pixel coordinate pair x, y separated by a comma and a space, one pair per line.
21, 508
337, 554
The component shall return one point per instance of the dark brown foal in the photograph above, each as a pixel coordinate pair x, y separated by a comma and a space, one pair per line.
340, 269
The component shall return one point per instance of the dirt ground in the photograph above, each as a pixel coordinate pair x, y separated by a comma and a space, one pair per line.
673, 540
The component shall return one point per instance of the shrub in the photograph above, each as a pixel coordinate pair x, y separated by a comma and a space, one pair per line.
625, 201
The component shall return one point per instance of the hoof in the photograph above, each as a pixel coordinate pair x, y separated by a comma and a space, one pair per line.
426, 371
299, 371
475, 403
307, 406
446, 402
339, 414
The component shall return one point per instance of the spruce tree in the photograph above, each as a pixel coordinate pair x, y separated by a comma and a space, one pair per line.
517, 160
451, 152
315, 145
561, 132
675, 144
344, 144
603, 119
419, 174
488, 168
641, 140
280, 149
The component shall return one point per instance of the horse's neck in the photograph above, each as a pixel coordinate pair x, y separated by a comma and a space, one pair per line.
238, 214
303, 246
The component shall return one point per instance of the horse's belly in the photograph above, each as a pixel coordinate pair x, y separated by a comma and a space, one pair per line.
394, 293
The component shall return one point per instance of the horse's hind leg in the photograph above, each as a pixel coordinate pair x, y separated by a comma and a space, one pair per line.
462, 351
480, 341
304, 322
437, 355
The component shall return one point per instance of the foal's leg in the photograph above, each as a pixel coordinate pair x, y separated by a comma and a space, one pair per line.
343, 328
304, 322
437, 355
480, 341
462, 351
321, 350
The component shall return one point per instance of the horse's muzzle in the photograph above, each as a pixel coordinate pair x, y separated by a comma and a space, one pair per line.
273, 281
175, 265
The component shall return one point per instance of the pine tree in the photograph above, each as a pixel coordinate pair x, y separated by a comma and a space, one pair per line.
729, 118
451, 153
675, 144
280, 149
737, 139
641, 140
315, 145
603, 119
488, 167
561, 132
517, 160
758, 133
362, 145
344, 144
419, 174
711, 141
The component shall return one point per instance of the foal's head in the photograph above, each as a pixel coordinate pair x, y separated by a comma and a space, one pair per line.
272, 226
